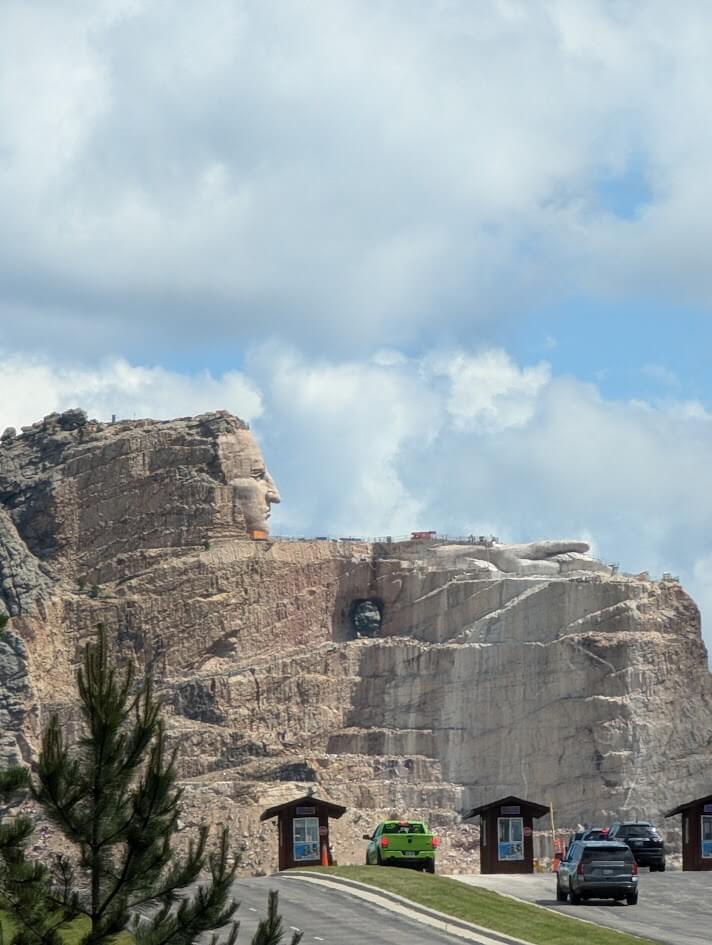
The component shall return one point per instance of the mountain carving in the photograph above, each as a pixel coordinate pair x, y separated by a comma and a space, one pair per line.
420, 677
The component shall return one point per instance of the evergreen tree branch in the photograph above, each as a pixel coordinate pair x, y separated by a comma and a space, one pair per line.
114, 796
270, 930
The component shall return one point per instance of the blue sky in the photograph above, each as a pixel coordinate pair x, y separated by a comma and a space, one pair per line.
631, 349
452, 265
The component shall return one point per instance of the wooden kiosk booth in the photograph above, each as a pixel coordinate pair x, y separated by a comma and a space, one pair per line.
303, 826
696, 833
506, 834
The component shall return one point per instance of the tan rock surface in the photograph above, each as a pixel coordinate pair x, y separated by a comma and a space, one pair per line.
497, 669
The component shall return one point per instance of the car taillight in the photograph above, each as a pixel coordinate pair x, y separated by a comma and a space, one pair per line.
435, 841
579, 869
635, 869
384, 841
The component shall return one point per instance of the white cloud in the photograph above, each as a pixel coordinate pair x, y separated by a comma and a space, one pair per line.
341, 173
335, 430
489, 392
35, 386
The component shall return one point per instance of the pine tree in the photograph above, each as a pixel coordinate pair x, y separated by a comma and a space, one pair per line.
114, 796
35, 900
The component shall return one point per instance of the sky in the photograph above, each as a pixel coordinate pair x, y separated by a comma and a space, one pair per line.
450, 259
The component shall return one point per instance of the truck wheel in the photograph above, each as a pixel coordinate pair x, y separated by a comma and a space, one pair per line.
661, 866
632, 898
379, 861
574, 898
429, 866
560, 894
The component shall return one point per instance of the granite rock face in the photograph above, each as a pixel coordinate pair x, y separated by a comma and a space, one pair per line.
478, 669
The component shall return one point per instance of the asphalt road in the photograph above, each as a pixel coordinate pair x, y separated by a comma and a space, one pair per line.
674, 907
329, 916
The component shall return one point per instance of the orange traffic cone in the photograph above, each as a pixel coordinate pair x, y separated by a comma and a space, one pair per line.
324, 853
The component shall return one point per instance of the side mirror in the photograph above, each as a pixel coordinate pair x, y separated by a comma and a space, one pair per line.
367, 836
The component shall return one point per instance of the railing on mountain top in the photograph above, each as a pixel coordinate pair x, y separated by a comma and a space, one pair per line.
394, 539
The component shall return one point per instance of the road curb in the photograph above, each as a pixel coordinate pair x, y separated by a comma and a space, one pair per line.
406, 907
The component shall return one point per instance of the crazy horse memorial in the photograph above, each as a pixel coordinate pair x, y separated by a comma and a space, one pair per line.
479, 670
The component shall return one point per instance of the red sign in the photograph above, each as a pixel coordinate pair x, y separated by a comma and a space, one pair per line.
323, 831
528, 831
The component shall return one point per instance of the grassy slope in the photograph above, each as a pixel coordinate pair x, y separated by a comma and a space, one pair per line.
485, 908
71, 933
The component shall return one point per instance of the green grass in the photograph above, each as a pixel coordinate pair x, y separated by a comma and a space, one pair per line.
482, 907
71, 933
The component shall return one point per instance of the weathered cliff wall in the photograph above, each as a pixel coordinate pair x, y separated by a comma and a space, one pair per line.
531, 670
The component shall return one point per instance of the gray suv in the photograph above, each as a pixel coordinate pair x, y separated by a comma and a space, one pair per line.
597, 869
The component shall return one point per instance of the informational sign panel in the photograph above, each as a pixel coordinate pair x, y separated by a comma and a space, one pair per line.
305, 811
510, 838
707, 837
510, 810
510, 851
306, 839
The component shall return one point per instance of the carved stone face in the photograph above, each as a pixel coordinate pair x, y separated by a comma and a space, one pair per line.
255, 490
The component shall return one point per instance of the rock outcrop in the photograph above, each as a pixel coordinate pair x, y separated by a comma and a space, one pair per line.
420, 676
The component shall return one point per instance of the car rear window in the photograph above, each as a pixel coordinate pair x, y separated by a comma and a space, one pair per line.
405, 827
607, 853
638, 830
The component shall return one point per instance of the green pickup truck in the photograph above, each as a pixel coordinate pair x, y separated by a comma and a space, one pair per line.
402, 843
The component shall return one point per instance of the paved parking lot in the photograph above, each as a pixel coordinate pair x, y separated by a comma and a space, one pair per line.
674, 907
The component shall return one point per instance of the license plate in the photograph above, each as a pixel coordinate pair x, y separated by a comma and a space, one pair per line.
409, 853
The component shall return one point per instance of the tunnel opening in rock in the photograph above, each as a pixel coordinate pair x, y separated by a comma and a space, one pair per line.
366, 617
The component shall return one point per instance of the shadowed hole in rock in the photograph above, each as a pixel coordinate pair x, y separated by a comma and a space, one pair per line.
366, 617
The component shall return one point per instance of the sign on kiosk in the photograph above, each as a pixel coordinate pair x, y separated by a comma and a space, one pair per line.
510, 838
707, 836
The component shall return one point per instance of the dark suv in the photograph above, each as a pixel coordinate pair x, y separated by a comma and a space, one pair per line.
644, 840
597, 869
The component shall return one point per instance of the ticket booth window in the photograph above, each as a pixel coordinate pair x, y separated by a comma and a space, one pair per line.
510, 838
306, 838
707, 836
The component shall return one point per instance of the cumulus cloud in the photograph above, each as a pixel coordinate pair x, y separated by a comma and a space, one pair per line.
339, 172
35, 386
488, 391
